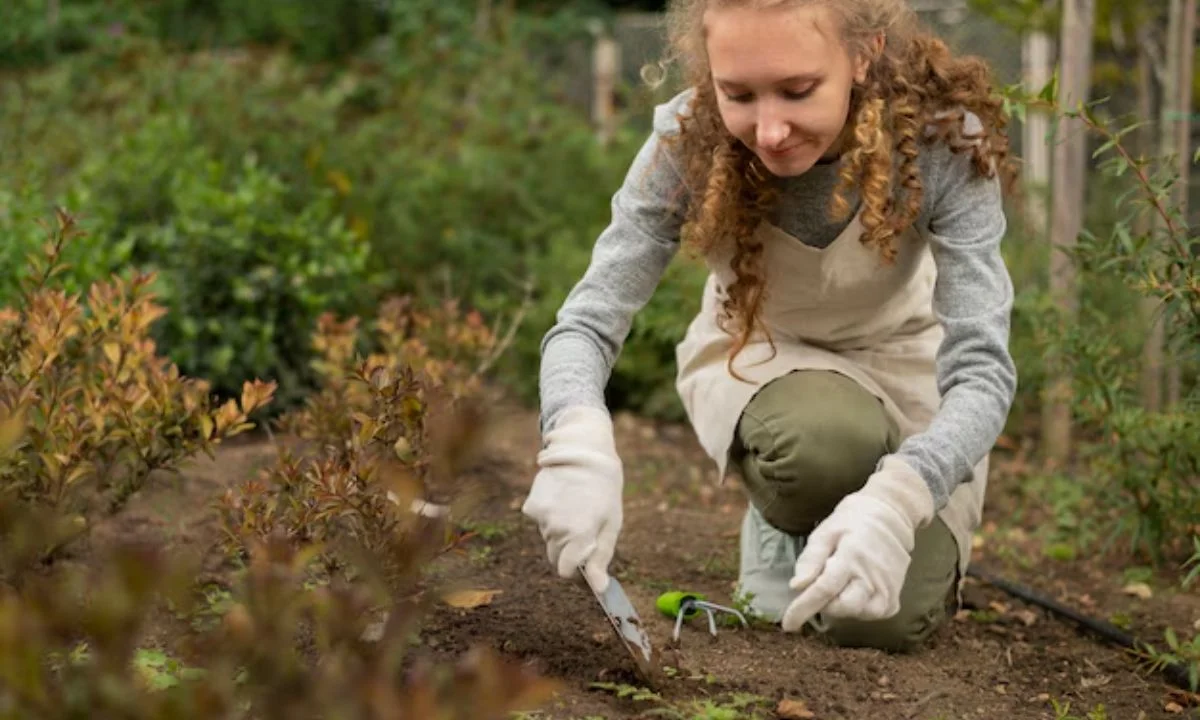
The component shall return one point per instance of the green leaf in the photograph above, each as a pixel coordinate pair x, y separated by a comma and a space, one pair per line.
156, 668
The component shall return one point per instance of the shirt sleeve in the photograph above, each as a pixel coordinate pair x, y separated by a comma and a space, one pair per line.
973, 299
627, 263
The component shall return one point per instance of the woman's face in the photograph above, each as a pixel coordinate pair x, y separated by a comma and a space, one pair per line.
783, 79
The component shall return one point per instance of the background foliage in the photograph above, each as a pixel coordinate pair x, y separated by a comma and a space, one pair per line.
294, 159
249, 177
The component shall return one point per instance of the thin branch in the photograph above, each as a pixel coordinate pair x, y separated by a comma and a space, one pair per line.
507, 340
1173, 229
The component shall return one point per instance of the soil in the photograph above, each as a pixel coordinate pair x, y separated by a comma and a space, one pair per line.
998, 658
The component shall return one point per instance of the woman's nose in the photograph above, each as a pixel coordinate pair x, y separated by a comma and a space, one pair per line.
771, 129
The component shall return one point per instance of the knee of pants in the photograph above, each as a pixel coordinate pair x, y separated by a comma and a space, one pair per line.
904, 632
807, 440
928, 589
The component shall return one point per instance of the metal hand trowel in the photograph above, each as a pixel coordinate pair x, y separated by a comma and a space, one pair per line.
625, 621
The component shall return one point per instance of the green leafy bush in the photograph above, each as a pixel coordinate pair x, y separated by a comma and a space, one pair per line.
36, 31
85, 260
245, 274
466, 173
33, 32
244, 262
1148, 460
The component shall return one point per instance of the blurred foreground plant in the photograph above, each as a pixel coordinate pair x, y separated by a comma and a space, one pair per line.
68, 646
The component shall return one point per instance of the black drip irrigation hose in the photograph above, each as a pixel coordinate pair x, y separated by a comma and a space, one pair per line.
1175, 672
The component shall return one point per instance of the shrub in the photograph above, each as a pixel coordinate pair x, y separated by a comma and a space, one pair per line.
375, 439
245, 274
32, 34
244, 262
89, 408
85, 260
1151, 458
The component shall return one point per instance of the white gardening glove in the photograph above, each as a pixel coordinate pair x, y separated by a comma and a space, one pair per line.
854, 563
576, 495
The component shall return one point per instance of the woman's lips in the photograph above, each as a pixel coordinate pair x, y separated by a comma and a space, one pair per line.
780, 153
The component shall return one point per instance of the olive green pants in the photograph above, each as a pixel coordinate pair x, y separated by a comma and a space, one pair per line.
804, 442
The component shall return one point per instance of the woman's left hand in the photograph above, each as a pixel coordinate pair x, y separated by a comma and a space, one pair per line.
854, 563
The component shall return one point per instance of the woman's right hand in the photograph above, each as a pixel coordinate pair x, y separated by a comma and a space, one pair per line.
576, 494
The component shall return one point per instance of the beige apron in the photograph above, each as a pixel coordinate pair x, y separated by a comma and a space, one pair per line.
839, 308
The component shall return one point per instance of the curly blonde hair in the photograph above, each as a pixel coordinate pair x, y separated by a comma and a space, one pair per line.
914, 83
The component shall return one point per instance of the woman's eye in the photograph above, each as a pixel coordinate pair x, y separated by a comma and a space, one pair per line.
797, 94
739, 98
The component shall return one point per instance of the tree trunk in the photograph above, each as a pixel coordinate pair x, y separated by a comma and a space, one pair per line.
1183, 31
53, 13
1152, 350
1038, 67
483, 18
606, 69
1068, 177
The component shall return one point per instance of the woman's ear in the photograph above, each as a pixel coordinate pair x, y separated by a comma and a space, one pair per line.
862, 63
864, 60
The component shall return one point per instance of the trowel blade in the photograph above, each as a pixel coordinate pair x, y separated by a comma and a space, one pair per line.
625, 621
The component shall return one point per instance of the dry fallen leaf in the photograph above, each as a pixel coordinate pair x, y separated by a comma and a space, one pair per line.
1028, 617
793, 710
1140, 590
1183, 697
468, 599
1173, 707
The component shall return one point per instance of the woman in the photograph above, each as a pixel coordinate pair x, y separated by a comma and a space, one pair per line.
840, 172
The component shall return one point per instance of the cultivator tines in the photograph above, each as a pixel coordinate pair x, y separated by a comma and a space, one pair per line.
681, 605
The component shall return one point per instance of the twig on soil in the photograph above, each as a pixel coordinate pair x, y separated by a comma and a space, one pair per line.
919, 704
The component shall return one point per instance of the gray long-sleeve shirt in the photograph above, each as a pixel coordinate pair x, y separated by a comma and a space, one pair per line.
961, 216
